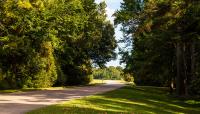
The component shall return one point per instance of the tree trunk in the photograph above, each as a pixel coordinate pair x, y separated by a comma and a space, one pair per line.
190, 65
186, 66
193, 59
180, 79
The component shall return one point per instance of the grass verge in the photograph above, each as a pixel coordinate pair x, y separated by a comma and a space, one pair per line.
30, 89
93, 83
127, 100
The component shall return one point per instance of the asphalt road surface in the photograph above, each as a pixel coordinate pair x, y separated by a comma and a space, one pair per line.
20, 103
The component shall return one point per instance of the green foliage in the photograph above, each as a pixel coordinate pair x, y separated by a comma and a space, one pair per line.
194, 87
110, 73
27, 58
52, 42
128, 77
164, 36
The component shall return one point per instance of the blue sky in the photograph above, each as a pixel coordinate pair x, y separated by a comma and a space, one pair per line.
112, 6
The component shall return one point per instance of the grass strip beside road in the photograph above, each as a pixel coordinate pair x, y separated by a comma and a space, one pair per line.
93, 83
127, 100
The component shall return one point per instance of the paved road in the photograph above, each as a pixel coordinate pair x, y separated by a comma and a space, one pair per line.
19, 103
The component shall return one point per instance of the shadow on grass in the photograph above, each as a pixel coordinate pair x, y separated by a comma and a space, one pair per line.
127, 100
153, 99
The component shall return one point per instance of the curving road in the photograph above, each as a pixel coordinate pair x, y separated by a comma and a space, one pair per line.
19, 103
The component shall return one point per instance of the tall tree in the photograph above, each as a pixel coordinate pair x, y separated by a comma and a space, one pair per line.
163, 35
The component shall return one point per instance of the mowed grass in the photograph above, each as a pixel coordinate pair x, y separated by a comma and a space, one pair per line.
127, 100
30, 89
99, 81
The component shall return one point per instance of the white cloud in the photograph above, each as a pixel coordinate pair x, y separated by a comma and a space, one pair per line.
109, 13
98, 1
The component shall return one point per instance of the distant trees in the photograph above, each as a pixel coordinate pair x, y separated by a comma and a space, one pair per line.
110, 73
165, 42
52, 42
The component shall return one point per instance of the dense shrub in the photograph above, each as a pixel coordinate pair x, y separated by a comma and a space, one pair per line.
128, 77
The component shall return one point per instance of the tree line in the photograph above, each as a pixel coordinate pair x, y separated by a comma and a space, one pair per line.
164, 36
110, 73
46, 43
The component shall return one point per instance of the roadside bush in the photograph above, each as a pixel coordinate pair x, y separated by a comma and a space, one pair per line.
4, 85
128, 77
194, 87
88, 79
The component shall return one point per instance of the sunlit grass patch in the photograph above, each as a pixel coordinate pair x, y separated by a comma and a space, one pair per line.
192, 102
30, 89
98, 81
127, 100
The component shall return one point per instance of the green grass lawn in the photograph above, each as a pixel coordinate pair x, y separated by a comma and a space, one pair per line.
99, 81
127, 100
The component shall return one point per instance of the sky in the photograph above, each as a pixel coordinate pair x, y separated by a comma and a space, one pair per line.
112, 6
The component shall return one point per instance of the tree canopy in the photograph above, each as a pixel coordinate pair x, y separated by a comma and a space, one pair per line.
165, 42
52, 42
